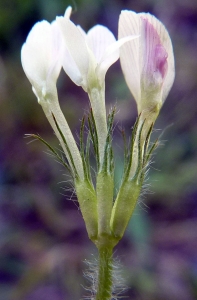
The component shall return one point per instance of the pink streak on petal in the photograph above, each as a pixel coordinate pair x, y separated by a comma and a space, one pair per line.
161, 63
155, 55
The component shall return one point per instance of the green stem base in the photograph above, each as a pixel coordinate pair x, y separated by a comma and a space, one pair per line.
104, 289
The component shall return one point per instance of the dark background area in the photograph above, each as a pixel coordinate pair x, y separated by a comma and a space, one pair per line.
43, 242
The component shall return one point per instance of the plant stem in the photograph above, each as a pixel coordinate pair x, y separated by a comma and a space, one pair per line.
104, 290
97, 100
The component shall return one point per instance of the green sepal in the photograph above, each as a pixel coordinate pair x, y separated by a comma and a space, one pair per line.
131, 186
150, 151
87, 155
88, 204
94, 136
104, 192
123, 207
128, 154
140, 153
84, 156
107, 164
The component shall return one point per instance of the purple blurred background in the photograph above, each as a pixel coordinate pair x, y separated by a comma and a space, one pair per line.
43, 242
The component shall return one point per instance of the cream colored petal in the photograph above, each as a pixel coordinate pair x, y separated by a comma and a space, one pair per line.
166, 42
129, 24
76, 45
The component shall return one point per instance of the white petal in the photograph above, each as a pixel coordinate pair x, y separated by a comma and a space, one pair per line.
129, 53
76, 45
111, 55
68, 12
104, 47
71, 68
40, 54
98, 39
116, 46
67, 61
33, 54
82, 31
57, 49
166, 42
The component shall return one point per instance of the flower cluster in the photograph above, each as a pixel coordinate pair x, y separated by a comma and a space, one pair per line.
145, 51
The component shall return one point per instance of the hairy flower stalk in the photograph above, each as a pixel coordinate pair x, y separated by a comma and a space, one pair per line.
147, 61
104, 289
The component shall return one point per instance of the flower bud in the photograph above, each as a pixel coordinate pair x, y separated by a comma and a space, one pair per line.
147, 62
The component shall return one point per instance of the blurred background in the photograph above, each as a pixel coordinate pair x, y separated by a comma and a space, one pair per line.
43, 241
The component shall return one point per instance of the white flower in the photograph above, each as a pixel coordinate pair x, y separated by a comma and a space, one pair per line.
88, 56
86, 60
41, 57
147, 62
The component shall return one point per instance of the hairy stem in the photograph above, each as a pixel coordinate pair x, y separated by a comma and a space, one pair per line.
104, 289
